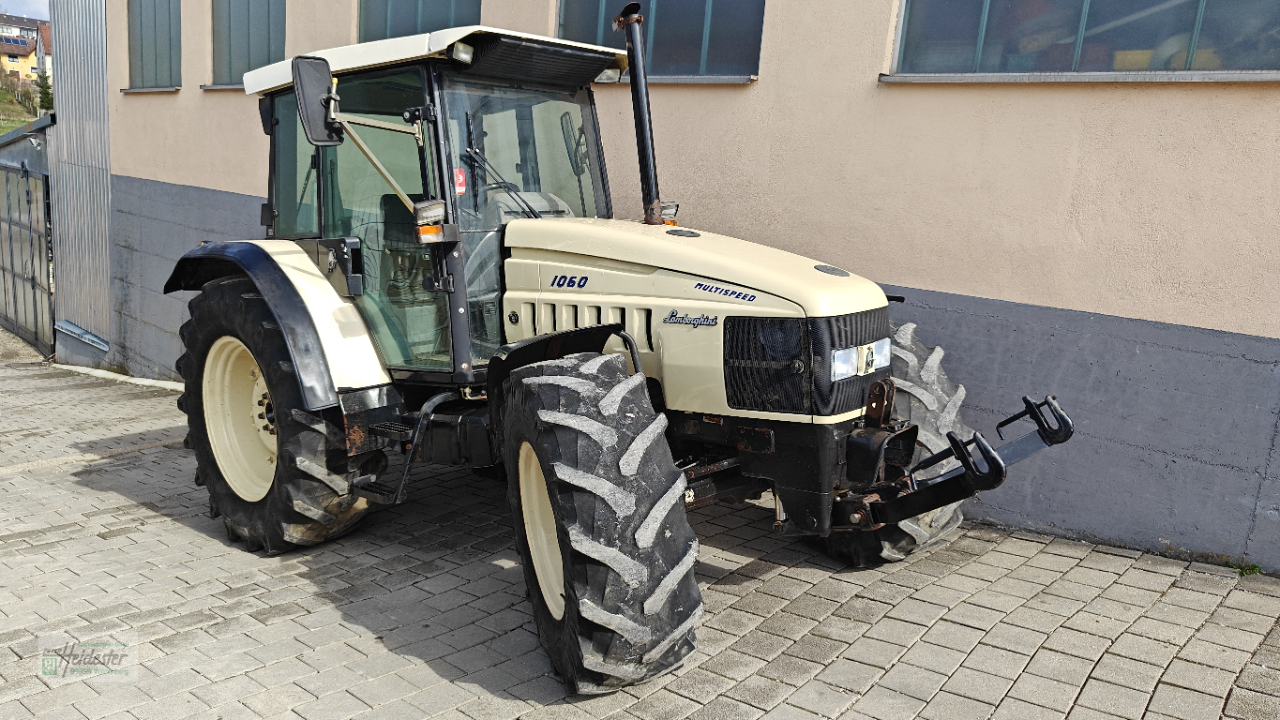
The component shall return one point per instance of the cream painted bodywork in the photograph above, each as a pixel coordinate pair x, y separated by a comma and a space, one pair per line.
639, 273
344, 337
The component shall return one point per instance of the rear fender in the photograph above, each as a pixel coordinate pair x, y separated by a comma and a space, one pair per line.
329, 343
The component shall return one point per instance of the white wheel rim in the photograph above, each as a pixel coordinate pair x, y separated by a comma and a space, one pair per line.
540, 529
244, 444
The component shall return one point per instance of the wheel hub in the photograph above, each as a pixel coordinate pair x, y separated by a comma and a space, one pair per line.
239, 418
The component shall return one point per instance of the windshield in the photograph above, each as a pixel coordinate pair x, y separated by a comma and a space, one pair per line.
516, 153
522, 153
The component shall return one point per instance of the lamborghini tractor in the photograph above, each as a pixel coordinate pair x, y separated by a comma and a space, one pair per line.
443, 277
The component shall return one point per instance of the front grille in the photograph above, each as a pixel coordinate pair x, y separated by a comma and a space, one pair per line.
784, 364
766, 364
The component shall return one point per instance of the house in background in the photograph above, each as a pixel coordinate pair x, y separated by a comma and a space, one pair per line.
1073, 196
20, 26
23, 48
18, 58
45, 49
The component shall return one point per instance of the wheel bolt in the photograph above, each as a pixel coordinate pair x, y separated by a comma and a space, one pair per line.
262, 416
855, 518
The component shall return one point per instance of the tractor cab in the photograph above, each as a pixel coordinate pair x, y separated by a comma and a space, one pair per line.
420, 150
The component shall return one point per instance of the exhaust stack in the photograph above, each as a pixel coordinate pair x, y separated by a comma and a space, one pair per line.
630, 20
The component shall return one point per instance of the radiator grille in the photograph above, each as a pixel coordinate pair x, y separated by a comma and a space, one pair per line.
784, 364
766, 364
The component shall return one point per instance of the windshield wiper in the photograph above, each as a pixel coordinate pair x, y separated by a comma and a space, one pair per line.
478, 157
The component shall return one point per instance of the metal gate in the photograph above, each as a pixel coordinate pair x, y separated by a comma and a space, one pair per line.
26, 258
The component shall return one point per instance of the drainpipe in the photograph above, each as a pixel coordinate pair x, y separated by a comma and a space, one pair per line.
630, 19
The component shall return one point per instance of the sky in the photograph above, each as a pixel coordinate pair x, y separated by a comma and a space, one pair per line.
30, 8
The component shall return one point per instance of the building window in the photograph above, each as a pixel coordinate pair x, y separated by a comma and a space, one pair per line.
155, 43
13, 58
1020, 36
683, 38
382, 19
247, 34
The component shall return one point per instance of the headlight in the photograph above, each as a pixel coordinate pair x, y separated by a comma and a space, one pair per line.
844, 363
862, 360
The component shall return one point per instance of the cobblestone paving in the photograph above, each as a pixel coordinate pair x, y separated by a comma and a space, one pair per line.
421, 613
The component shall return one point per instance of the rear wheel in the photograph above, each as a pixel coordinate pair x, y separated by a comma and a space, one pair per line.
277, 474
598, 509
928, 398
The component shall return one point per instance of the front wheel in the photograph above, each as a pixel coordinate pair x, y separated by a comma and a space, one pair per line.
279, 476
598, 509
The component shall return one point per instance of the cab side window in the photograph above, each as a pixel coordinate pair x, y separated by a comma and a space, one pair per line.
409, 323
294, 193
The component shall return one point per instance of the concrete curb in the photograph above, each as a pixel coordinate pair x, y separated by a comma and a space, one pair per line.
108, 375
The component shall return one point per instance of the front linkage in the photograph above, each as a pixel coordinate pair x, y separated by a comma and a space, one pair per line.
886, 488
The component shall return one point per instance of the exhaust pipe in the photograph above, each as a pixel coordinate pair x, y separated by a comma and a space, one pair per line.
630, 19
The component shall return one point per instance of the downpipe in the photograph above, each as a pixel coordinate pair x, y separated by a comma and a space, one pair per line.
630, 21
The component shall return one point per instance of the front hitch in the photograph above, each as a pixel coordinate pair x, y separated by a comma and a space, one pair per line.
984, 471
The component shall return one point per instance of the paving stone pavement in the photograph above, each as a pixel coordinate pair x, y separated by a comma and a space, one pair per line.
422, 612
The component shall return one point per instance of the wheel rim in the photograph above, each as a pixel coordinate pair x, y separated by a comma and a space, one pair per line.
239, 418
540, 529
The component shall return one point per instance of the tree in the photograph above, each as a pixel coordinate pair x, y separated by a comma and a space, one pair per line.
46, 91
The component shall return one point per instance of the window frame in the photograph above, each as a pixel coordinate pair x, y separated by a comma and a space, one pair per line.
361, 27
897, 76
216, 83
133, 9
603, 19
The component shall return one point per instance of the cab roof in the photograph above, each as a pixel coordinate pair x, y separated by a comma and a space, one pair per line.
412, 47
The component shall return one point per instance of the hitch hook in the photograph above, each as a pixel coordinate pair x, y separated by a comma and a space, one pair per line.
996, 470
1060, 432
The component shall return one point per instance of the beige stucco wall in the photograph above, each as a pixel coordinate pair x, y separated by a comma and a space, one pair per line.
1139, 200
204, 138
537, 17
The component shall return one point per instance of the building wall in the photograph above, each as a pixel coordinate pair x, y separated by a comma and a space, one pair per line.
1140, 200
1110, 243
200, 138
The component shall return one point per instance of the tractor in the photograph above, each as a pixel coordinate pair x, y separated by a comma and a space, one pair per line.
442, 276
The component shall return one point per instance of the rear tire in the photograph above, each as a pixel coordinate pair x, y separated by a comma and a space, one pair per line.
928, 398
278, 475
598, 509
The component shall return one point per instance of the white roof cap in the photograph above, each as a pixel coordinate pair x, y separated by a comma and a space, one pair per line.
397, 50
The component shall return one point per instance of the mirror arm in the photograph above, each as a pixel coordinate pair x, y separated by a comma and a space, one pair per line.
368, 122
351, 133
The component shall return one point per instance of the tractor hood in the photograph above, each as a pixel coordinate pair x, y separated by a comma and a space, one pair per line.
708, 255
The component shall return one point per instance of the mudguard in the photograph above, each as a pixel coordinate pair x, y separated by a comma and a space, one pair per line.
328, 341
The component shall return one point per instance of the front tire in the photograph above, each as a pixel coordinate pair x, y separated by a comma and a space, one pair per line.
278, 475
598, 509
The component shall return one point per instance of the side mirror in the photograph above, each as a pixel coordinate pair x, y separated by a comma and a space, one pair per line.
573, 144
317, 101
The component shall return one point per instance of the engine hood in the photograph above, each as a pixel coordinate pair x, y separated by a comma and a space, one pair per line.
716, 257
